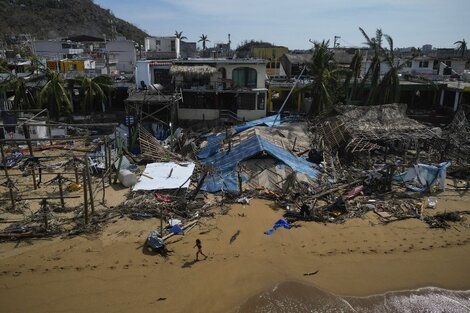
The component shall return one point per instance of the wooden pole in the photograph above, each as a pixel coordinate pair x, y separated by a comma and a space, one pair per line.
85, 196
44, 213
103, 200
61, 191
88, 178
76, 174
49, 133
110, 163
161, 221
119, 142
4, 161
27, 136
105, 148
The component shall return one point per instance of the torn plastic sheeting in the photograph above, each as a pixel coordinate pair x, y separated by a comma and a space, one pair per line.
280, 223
426, 176
161, 178
268, 121
225, 163
214, 143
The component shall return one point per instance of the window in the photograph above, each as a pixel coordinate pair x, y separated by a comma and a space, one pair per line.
244, 77
195, 100
261, 104
246, 101
157, 42
162, 77
423, 63
173, 46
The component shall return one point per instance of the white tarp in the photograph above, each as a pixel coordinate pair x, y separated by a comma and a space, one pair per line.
165, 176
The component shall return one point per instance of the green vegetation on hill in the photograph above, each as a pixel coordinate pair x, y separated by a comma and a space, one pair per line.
45, 19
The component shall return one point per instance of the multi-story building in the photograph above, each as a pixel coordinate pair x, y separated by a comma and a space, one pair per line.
210, 88
168, 47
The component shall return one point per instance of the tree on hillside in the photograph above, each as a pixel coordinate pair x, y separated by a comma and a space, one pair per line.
462, 47
203, 39
179, 35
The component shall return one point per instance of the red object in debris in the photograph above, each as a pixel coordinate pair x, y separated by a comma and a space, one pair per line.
163, 198
353, 193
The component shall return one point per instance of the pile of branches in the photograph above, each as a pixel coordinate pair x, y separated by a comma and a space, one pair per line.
440, 220
142, 206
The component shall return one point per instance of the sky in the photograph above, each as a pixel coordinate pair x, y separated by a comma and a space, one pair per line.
294, 23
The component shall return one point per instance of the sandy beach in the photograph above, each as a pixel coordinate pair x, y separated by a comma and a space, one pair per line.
112, 272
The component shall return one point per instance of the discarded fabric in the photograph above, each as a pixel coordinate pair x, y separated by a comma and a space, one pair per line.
280, 223
424, 176
154, 240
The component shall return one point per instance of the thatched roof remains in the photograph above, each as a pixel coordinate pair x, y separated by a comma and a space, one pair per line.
378, 120
193, 70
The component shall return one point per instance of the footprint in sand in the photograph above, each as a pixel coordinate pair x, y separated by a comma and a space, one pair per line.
126, 266
16, 274
79, 269
112, 267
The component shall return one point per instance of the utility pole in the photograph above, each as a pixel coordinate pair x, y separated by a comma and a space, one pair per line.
336, 43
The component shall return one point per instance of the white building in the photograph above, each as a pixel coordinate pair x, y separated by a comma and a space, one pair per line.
124, 52
211, 88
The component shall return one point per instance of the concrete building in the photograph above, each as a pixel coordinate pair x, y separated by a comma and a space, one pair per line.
124, 52
273, 57
168, 47
212, 89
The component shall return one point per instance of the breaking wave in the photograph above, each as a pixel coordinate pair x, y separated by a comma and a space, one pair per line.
292, 297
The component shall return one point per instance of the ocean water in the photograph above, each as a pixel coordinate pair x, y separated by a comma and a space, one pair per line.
290, 297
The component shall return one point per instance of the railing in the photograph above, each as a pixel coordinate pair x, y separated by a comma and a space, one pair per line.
229, 115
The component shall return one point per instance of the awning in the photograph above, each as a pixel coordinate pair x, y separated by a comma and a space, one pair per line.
194, 70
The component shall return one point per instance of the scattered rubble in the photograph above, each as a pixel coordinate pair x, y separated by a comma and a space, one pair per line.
328, 169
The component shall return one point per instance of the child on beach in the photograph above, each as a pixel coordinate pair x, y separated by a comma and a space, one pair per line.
199, 249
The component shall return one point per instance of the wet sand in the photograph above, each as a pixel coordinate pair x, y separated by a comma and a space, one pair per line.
112, 272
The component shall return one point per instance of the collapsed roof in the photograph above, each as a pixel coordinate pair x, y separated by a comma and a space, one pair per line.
226, 155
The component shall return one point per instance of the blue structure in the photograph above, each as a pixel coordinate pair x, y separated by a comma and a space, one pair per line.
225, 163
214, 142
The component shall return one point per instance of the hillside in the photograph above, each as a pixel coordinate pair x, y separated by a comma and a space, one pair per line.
45, 19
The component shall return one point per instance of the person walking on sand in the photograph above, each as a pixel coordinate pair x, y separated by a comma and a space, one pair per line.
199, 249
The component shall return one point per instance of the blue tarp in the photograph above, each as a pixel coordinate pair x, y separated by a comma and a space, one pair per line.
268, 121
176, 229
424, 175
280, 223
225, 163
214, 142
